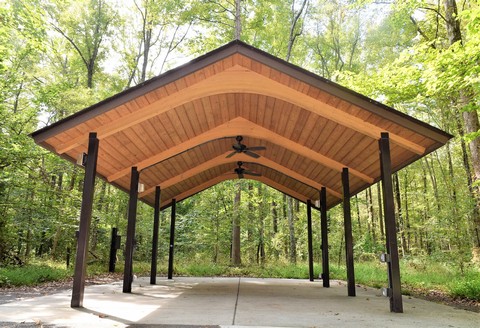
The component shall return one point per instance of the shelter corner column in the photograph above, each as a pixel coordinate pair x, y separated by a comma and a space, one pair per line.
172, 239
324, 228
310, 242
347, 221
156, 219
85, 220
394, 290
132, 220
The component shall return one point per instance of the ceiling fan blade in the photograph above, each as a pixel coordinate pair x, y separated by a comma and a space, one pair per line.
257, 148
231, 154
251, 154
255, 174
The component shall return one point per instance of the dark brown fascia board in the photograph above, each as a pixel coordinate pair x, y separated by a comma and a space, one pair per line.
257, 55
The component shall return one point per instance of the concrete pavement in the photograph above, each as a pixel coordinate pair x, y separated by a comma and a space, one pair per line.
227, 302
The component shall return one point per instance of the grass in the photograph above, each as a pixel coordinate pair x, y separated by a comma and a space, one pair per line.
417, 276
33, 274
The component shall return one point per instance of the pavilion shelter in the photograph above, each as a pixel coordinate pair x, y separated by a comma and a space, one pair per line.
172, 137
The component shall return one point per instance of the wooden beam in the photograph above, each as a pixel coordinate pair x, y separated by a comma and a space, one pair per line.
242, 126
241, 80
232, 176
219, 160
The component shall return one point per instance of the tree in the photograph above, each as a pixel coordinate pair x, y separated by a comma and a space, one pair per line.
164, 26
86, 26
236, 257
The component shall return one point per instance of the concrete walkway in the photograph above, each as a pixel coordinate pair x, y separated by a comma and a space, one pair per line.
226, 302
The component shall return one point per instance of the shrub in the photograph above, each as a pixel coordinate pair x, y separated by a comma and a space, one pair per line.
467, 287
31, 274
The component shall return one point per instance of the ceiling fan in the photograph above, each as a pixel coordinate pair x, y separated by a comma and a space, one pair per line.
240, 171
241, 148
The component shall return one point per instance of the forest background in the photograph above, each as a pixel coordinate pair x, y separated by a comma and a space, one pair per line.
419, 56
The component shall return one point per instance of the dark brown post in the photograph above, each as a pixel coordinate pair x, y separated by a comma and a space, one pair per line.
172, 239
85, 219
156, 220
310, 246
347, 221
324, 226
113, 251
129, 243
394, 283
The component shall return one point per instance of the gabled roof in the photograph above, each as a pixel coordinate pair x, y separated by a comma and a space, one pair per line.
178, 128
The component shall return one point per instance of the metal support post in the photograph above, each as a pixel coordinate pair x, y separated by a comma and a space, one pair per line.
156, 220
172, 239
324, 226
113, 251
132, 220
347, 221
310, 246
85, 220
395, 293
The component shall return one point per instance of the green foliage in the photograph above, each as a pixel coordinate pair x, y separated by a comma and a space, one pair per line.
468, 286
32, 274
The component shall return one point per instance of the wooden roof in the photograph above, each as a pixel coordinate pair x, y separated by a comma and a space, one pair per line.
177, 129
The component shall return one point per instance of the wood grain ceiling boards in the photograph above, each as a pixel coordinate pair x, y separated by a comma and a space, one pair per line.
177, 129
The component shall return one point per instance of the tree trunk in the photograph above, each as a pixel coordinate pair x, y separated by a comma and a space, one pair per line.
261, 230
291, 229
407, 215
251, 251
147, 40
357, 207
380, 211
236, 259
371, 213
238, 19
274, 226
424, 235
274, 218
470, 116
398, 210
294, 32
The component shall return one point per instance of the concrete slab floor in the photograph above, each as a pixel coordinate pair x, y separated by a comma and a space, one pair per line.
229, 302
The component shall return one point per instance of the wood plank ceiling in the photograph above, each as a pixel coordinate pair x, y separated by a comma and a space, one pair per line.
179, 127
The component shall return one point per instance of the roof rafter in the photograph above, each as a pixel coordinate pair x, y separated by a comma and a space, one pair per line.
239, 79
242, 126
232, 176
221, 159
